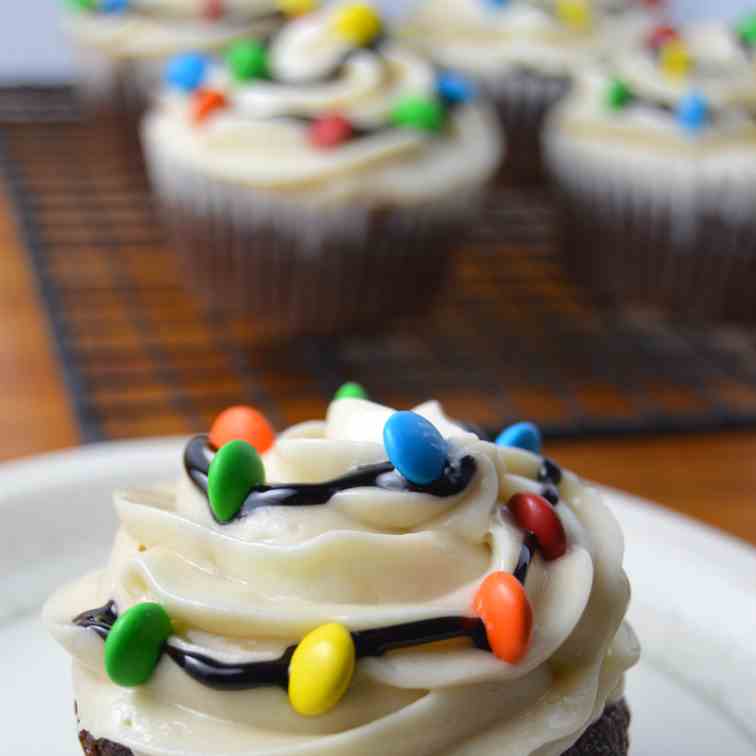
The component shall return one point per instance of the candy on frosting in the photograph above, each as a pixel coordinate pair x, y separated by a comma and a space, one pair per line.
286, 96
395, 567
522, 435
242, 422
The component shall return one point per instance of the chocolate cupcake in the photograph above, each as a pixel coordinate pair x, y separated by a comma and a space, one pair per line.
317, 180
122, 46
524, 54
655, 160
405, 588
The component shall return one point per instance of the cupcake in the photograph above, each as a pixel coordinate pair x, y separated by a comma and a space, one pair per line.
378, 582
317, 180
654, 155
121, 46
523, 53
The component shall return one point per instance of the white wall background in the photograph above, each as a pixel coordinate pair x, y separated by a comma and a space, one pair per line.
33, 49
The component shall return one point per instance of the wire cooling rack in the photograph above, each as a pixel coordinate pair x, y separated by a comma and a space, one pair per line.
511, 338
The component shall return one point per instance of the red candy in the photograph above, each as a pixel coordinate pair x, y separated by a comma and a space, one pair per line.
660, 36
244, 423
330, 131
533, 512
206, 102
213, 9
503, 605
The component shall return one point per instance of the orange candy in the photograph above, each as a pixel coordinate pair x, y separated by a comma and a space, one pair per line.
244, 423
206, 102
502, 604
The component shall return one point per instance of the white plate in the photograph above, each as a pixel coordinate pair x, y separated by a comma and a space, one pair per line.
694, 605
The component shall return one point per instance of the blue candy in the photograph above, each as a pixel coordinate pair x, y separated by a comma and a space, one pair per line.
186, 72
497, 3
453, 87
414, 446
693, 112
522, 436
114, 6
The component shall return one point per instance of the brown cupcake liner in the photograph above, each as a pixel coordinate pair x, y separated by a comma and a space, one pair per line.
629, 253
523, 98
287, 267
608, 736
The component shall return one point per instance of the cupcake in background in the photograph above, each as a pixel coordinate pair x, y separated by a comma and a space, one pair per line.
121, 46
318, 180
523, 53
655, 160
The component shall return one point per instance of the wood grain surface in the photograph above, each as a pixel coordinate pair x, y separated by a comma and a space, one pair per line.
711, 477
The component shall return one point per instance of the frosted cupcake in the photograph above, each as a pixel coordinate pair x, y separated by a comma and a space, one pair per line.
523, 53
402, 587
317, 180
655, 158
122, 45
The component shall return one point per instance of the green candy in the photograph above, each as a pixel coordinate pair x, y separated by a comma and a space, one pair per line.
618, 94
248, 60
235, 470
746, 29
420, 113
351, 390
134, 644
81, 5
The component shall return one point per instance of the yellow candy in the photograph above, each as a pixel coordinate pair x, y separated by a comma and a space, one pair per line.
297, 7
321, 670
674, 58
357, 23
574, 13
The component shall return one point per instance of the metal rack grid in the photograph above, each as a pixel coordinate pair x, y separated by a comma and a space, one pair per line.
510, 339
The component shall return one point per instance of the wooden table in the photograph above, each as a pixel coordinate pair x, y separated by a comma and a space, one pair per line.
710, 477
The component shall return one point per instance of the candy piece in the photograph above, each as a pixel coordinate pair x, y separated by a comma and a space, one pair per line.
532, 512
187, 72
674, 58
351, 390
297, 7
245, 423
618, 94
82, 5
213, 10
454, 88
205, 102
414, 446
693, 112
522, 435
114, 6
321, 670
574, 13
746, 29
503, 605
661, 35
134, 644
235, 470
419, 113
330, 131
357, 23
497, 3
248, 60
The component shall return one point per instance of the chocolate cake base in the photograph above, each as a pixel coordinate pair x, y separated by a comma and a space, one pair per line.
606, 737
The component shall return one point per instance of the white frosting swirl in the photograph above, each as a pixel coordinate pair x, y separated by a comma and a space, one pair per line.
488, 41
368, 558
261, 141
159, 28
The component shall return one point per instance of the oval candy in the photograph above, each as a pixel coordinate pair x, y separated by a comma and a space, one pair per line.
321, 670
330, 131
415, 447
248, 59
351, 390
242, 423
503, 605
235, 470
187, 72
523, 435
357, 23
135, 643
533, 512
